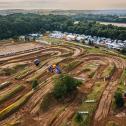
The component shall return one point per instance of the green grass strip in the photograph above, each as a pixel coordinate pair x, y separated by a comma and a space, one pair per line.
22, 74
10, 94
15, 106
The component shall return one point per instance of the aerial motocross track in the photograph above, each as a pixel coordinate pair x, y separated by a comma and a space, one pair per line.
24, 105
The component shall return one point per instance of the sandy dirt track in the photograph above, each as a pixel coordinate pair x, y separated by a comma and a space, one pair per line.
62, 54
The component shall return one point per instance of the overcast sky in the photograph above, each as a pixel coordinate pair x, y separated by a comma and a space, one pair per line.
63, 4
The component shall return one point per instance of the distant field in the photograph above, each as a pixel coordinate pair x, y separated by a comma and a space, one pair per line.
16, 48
122, 17
115, 24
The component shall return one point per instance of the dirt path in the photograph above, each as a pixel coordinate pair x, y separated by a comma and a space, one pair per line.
66, 115
37, 97
106, 99
64, 54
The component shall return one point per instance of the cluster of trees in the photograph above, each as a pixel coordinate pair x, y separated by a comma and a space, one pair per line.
64, 85
96, 29
22, 24
98, 17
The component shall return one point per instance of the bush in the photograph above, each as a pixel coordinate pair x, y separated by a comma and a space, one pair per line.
64, 85
78, 118
34, 84
119, 99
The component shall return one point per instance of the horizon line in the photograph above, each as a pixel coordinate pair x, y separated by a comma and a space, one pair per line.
63, 9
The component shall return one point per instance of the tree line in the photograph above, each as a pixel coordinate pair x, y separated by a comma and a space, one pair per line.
21, 24
99, 17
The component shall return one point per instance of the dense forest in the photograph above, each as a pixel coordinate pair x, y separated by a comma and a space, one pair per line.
21, 24
98, 17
